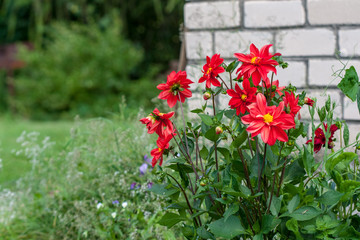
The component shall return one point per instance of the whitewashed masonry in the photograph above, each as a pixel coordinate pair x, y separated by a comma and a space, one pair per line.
314, 36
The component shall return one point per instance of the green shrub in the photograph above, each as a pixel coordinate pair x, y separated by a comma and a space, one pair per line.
81, 71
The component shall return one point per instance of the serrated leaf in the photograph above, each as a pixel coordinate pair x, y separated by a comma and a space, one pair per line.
269, 223
201, 232
304, 213
349, 85
206, 119
230, 211
294, 202
240, 139
170, 219
330, 197
227, 229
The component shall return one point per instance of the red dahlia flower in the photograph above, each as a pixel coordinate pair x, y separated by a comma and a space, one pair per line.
242, 98
176, 88
157, 153
257, 64
291, 103
211, 70
158, 122
320, 139
269, 121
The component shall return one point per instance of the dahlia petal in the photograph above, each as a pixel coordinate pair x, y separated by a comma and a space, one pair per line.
254, 49
171, 101
265, 132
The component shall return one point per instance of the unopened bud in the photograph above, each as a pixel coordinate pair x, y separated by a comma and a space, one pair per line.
308, 101
290, 143
207, 95
358, 146
273, 88
203, 183
331, 145
219, 130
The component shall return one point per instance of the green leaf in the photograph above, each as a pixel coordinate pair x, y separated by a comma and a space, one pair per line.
269, 223
225, 152
308, 161
292, 225
343, 160
170, 219
162, 190
346, 134
321, 113
183, 175
201, 232
204, 153
197, 110
275, 205
330, 197
304, 213
292, 205
230, 211
358, 100
206, 119
211, 134
227, 229
240, 139
349, 85
184, 167
219, 115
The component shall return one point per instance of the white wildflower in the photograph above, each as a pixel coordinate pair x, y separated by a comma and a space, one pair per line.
124, 204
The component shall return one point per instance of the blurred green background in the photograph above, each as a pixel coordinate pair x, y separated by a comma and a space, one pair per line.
83, 57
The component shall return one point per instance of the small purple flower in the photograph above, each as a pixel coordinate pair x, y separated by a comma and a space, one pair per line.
147, 159
149, 185
115, 202
143, 168
132, 186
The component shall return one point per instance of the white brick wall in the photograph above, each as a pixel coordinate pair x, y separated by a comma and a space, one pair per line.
274, 13
316, 38
212, 14
306, 42
327, 12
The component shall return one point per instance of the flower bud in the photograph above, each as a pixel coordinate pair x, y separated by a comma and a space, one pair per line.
207, 95
290, 143
331, 145
358, 146
203, 183
219, 130
308, 101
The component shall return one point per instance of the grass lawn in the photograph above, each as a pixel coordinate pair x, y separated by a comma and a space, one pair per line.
10, 129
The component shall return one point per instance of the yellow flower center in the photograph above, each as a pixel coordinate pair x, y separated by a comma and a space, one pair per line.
160, 149
209, 70
255, 60
268, 118
243, 97
161, 114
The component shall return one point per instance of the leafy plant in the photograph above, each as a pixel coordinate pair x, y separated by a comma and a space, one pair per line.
242, 173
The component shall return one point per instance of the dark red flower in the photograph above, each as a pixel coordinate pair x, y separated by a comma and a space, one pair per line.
240, 99
308, 101
291, 103
162, 144
269, 121
211, 70
257, 64
320, 139
176, 88
158, 122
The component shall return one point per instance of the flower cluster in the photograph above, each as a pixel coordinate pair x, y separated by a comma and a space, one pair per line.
320, 139
268, 109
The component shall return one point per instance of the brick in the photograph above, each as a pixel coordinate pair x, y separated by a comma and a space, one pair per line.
274, 13
229, 42
198, 45
351, 111
294, 74
324, 72
322, 96
349, 42
200, 15
306, 42
333, 11
194, 73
